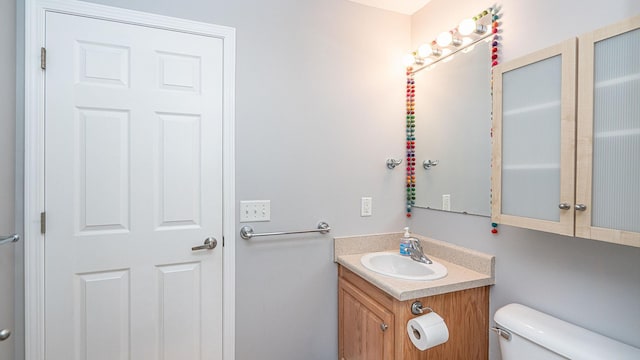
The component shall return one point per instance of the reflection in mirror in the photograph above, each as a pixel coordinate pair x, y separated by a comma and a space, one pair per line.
453, 122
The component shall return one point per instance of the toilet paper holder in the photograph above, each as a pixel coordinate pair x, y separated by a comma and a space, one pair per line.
417, 308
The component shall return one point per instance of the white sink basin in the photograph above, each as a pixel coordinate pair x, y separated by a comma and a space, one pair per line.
402, 267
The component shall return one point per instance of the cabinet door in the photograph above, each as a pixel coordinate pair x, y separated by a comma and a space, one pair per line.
365, 327
608, 159
533, 155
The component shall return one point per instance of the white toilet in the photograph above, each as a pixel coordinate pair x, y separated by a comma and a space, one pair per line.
527, 334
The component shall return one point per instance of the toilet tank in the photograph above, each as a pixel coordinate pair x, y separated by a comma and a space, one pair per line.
536, 335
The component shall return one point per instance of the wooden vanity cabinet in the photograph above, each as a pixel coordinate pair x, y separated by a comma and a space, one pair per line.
566, 137
372, 324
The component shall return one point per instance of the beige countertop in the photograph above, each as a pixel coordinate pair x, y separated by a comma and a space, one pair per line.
466, 268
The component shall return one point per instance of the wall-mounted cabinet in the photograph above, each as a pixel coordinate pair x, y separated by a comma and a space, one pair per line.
566, 146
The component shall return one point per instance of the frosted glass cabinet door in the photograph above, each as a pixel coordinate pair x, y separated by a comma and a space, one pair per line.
608, 158
534, 140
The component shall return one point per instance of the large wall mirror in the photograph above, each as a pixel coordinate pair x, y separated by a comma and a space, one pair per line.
452, 129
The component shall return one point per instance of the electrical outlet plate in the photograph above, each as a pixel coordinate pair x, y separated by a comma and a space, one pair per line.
255, 210
446, 202
366, 206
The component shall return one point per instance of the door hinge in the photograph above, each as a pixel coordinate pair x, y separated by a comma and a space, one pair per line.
223, 241
43, 222
43, 58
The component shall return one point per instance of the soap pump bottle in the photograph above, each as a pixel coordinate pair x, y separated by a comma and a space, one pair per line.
405, 243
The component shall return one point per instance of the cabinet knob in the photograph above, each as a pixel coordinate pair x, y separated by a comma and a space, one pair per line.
384, 326
564, 206
581, 207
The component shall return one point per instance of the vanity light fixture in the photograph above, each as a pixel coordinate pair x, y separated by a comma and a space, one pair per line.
466, 27
447, 38
469, 26
481, 29
463, 37
408, 60
435, 52
444, 39
425, 50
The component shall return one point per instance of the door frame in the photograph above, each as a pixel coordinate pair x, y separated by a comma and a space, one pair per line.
35, 11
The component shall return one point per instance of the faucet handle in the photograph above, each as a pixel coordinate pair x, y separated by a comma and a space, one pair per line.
415, 243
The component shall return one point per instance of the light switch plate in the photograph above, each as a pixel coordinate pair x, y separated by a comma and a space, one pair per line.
255, 210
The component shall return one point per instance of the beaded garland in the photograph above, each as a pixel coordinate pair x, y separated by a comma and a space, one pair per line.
411, 141
495, 53
495, 43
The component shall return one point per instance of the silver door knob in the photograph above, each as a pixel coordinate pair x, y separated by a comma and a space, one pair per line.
581, 207
4, 334
564, 206
384, 327
209, 244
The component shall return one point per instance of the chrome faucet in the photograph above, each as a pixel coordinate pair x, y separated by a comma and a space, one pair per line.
416, 252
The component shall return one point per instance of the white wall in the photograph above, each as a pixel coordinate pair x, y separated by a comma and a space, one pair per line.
319, 109
590, 283
7, 164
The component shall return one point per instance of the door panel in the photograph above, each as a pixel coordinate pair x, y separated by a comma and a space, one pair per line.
533, 180
179, 170
102, 315
104, 175
133, 167
10, 254
609, 134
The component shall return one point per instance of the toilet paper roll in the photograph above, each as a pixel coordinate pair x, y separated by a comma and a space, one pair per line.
427, 331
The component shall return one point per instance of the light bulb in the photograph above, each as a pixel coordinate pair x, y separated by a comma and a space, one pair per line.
425, 51
444, 39
408, 60
466, 27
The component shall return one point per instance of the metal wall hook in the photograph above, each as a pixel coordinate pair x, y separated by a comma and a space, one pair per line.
392, 163
427, 164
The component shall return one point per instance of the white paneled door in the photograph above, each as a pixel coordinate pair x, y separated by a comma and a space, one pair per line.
133, 181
